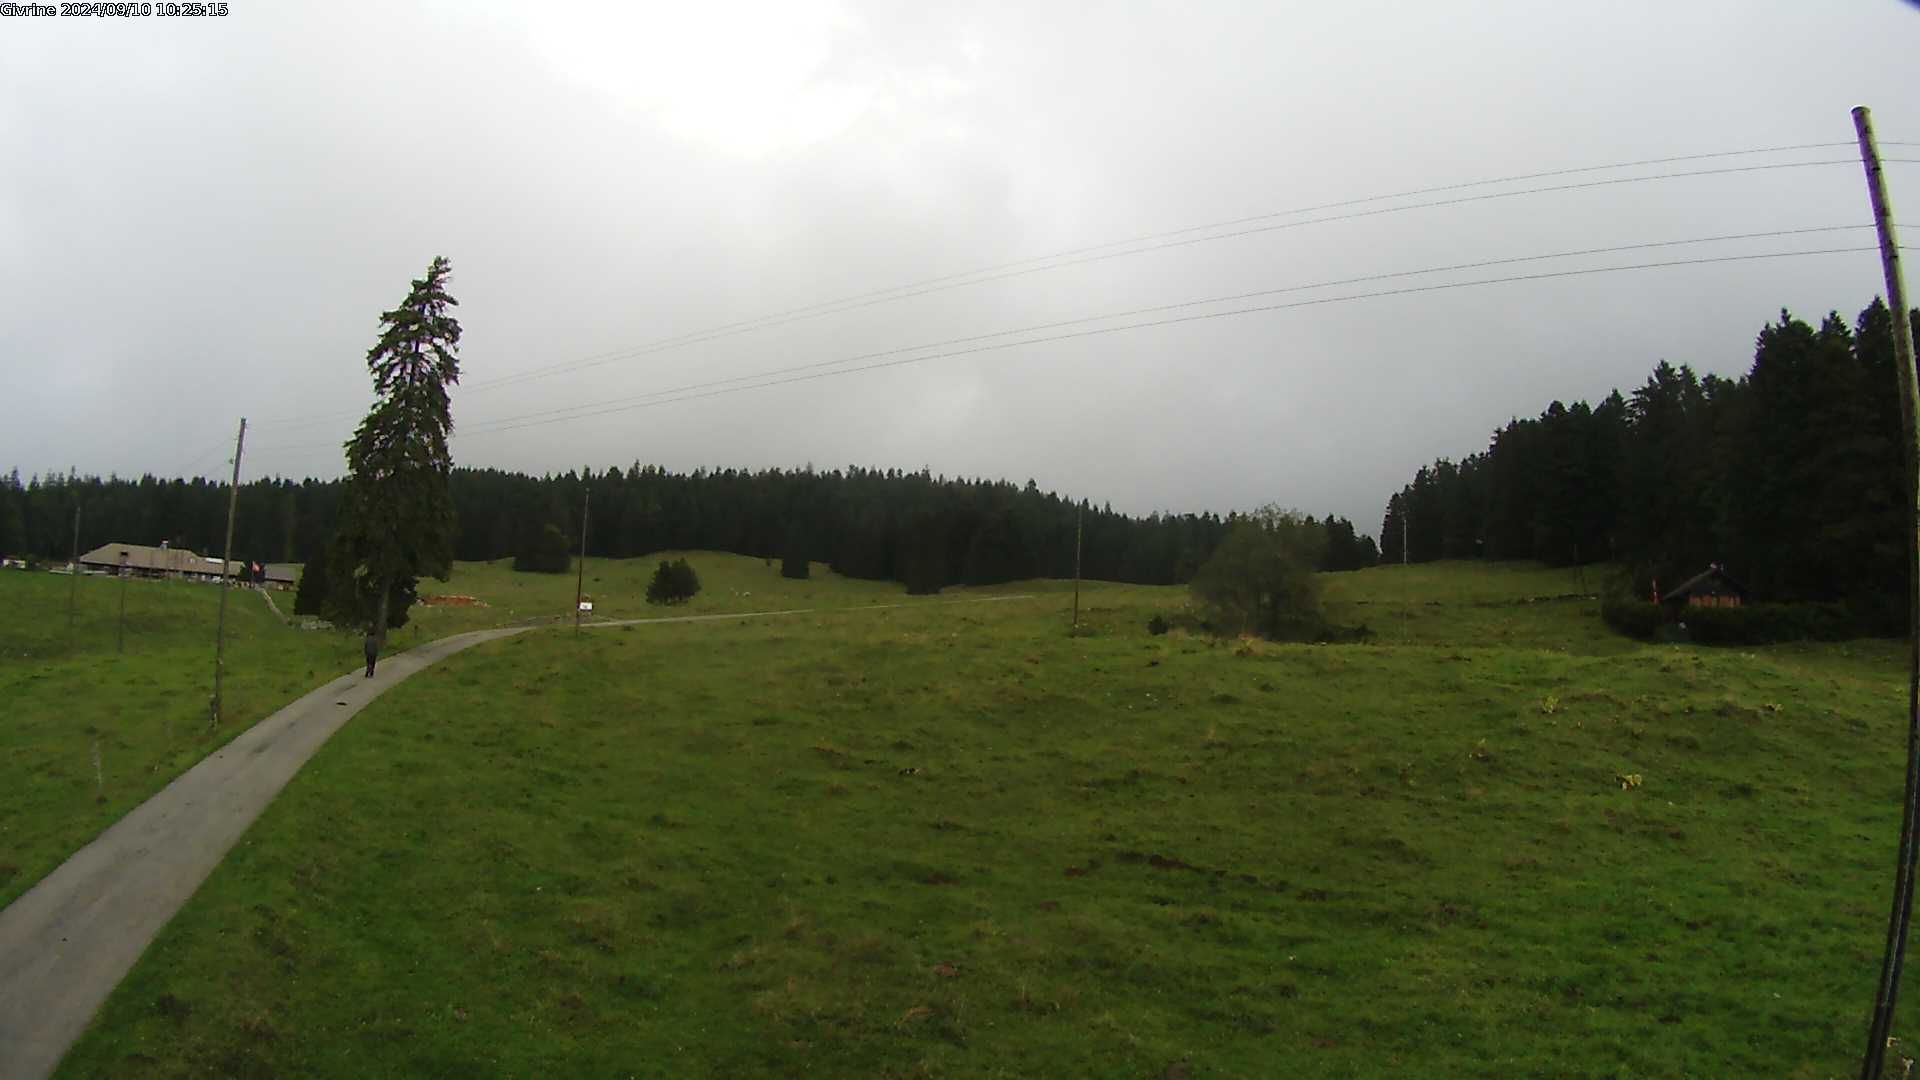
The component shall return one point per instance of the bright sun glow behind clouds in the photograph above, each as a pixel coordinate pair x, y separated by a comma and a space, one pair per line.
749, 84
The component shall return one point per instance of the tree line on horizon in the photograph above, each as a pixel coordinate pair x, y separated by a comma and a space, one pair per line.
1790, 476
922, 530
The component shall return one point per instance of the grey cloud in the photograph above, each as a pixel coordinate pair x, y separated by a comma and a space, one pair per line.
204, 220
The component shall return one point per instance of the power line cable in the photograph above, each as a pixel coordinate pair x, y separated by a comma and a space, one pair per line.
721, 386
623, 405
309, 419
1154, 242
515, 423
198, 459
921, 287
1479, 265
754, 323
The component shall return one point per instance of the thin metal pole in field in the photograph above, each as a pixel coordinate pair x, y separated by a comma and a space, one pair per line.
120, 628
580, 577
73, 568
1078, 531
226, 560
1406, 563
1901, 917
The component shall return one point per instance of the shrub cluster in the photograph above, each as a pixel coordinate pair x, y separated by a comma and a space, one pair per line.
673, 583
1764, 624
1752, 624
1632, 616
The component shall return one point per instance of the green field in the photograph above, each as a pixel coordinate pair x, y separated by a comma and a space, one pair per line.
140, 690
618, 589
952, 840
145, 708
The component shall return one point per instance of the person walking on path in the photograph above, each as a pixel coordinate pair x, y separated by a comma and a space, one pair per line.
373, 651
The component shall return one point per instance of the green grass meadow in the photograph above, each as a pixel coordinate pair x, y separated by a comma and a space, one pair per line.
618, 588
139, 689
141, 696
950, 839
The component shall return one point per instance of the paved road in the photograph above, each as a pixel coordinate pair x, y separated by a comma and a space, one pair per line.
66, 943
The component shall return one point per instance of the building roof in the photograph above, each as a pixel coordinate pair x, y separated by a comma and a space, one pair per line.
163, 560
1713, 581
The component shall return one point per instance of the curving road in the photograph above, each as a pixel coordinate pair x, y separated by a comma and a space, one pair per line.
66, 943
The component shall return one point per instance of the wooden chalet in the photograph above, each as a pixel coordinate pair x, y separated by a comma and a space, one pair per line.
1712, 587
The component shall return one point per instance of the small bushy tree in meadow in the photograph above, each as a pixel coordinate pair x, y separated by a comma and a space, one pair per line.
1260, 580
673, 583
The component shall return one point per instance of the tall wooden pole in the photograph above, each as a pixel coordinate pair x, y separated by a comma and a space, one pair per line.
580, 578
1406, 562
1079, 516
120, 628
1888, 990
226, 559
73, 587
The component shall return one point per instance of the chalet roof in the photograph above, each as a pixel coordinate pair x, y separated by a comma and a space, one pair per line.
1701, 583
165, 560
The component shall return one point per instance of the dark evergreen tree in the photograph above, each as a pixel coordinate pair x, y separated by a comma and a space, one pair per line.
1393, 529
1791, 477
794, 564
921, 564
397, 520
1344, 549
13, 521
673, 583
550, 552
997, 553
310, 598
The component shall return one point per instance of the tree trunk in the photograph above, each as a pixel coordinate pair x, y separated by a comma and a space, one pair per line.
380, 617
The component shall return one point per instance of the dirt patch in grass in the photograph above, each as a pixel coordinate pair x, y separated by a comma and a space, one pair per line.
452, 600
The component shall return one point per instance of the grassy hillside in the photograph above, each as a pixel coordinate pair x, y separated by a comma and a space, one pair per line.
618, 588
145, 708
951, 840
147, 705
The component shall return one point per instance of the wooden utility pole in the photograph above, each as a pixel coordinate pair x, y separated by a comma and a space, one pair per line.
226, 559
580, 578
1889, 987
73, 587
1406, 563
120, 628
1079, 516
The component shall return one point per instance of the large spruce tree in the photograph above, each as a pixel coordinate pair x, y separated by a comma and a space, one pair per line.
397, 520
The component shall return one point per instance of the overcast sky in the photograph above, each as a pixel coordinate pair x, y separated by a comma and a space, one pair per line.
201, 219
